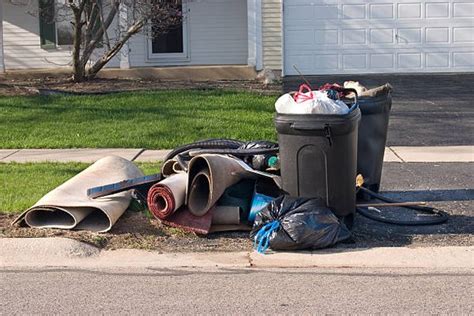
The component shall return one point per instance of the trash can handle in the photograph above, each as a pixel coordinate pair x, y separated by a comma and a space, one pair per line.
306, 127
300, 94
303, 127
356, 100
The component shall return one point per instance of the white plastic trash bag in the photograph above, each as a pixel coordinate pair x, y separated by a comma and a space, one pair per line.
307, 101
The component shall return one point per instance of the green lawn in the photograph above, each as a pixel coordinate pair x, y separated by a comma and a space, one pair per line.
24, 184
153, 120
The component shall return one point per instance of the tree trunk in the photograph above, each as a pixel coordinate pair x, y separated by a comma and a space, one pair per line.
79, 68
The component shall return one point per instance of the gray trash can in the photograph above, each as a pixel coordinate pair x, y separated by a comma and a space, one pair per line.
375, 110
318, 157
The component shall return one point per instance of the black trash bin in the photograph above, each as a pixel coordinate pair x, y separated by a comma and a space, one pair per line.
375, 110
318, 157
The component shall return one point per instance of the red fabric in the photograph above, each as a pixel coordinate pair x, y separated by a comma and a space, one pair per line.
183, 219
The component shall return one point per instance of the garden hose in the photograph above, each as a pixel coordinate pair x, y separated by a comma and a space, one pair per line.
214, 143
440, 217
237, 148
236, 152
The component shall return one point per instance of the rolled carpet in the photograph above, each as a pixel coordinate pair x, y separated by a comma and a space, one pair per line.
210, 175
69, 207
166, 196
171, 167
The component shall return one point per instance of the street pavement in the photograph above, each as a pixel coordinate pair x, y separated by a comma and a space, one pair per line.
230, 291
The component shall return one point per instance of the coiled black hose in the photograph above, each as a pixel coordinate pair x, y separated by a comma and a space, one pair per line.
236, 152
213, 143
440, 217
243, 150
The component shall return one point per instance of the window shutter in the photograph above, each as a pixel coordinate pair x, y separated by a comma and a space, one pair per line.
46, 24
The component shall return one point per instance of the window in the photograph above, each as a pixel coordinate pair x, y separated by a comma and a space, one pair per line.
173, 43
56, 28
64, 31
170, 42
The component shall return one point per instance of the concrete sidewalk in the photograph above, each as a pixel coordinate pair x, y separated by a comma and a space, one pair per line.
88, 155
55, 252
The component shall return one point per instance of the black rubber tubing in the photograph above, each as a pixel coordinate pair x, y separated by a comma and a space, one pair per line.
440, 217
208, 143
235, 152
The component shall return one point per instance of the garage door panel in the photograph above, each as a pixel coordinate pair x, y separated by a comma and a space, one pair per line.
326, 36
409, 61
326, 12
437, 35
301, 13
463, 59
381, 11
409, 10
353, 11
382, 36
409, 35
463, 34
463, 10
356, 36
437, 10
437, 60
326, 62
354, 61
381, 61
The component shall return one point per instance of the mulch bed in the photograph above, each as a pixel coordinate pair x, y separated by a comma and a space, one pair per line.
21, 84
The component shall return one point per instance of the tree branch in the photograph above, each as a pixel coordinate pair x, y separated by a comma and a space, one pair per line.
92, 44
101, 62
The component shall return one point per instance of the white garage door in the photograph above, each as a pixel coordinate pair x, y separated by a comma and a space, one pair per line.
350, 36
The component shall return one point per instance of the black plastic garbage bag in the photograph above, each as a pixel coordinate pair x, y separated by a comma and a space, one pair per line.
289, 223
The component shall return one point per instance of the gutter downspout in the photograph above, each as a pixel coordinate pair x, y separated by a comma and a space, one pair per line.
124, 55
254, 33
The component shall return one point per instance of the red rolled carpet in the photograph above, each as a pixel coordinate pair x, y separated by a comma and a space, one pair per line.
165, 197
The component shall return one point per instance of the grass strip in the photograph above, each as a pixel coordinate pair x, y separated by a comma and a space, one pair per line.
152, 120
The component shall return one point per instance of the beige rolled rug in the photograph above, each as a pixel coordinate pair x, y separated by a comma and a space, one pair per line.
171, 167
69, 207
210, 175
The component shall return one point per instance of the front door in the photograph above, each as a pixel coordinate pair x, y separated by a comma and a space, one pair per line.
173, 44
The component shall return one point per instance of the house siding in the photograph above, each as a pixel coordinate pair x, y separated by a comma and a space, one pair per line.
217, 32
2, 65
272, 34
21, 41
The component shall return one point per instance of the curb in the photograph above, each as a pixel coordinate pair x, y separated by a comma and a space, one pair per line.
382, 257
63, 252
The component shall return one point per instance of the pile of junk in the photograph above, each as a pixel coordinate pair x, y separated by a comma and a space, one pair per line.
299, 193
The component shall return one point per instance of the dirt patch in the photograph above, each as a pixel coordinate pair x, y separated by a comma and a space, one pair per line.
135, 230
31, 85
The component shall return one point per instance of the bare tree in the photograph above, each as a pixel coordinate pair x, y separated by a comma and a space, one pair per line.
97, 35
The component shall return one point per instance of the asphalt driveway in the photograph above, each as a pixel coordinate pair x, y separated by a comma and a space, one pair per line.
427, 110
